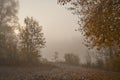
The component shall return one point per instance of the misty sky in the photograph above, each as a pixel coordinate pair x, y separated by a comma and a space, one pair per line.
59, 26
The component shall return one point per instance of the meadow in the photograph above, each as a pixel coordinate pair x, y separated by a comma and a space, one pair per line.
56, 73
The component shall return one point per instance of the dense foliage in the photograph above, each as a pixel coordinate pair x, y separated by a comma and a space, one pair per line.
99, 20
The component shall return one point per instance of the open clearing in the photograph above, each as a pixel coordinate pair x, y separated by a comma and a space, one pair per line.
61, 73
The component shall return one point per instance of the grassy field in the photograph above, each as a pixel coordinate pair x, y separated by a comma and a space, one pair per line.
56, 73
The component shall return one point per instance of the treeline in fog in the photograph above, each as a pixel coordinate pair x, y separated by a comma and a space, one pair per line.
19, 45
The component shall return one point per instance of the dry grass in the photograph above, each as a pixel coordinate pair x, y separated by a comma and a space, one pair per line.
41, 73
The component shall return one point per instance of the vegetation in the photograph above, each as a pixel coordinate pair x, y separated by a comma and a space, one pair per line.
114, 62
55, 56
68, 73
71, 59
20, 51
88, 60
31, 41
100, 23
25, 48
98, 20
8, 21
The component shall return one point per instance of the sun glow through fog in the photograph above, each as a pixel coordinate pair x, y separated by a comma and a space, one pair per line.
16, 31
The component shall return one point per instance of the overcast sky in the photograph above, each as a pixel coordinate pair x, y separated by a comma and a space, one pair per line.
59, 26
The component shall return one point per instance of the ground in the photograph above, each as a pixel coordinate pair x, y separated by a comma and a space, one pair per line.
56, 73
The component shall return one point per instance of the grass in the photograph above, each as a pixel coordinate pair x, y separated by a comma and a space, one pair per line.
56, 73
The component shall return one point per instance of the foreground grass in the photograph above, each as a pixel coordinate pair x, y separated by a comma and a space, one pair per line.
49, 73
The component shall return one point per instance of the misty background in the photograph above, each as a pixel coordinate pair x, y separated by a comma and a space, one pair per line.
59, 27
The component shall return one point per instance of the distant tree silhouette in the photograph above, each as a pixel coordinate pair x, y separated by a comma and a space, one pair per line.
8, 21
72, 59
113, 63
88, 60
55, 56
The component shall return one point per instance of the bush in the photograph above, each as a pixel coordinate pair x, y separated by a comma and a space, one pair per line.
113, 63
72, 59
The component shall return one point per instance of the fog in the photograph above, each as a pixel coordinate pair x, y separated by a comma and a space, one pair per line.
39, 40
59, 26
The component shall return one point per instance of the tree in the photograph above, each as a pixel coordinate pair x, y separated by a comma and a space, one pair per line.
100, 61
55, 57
114, 62
44, 60
8, 17
88, 60
31, 40
8, 21
99, 21
72, 59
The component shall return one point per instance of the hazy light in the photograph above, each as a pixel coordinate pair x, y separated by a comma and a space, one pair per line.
59, 26
16, 31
